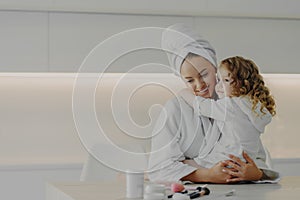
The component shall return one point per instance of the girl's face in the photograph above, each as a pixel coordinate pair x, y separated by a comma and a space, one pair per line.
223, 87
200, 75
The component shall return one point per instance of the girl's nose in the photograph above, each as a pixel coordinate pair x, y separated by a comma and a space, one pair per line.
219, 84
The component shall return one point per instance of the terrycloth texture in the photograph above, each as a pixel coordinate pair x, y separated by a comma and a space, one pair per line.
178, 40
179, 134
240, 126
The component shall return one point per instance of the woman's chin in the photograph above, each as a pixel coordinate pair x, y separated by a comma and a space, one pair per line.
206, 95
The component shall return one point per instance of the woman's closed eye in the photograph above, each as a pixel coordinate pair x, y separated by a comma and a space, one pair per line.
190, 80
203, 75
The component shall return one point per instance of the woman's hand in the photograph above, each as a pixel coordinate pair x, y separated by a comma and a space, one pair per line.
192, 163
242, 171
216, 174
212, 175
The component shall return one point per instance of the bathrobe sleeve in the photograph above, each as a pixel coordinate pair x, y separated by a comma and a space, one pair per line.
166, 148
217, 110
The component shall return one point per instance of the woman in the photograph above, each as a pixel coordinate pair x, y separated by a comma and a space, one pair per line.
180, 132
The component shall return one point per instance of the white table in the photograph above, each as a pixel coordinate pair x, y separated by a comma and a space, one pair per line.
287, 188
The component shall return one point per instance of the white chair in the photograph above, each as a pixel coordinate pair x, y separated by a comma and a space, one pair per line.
98, 169
94, 170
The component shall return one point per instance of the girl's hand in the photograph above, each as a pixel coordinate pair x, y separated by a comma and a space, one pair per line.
242, 171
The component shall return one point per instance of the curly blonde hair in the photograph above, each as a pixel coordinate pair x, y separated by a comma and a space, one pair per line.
247, 81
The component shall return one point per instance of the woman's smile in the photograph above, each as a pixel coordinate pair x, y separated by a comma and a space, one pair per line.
202, 91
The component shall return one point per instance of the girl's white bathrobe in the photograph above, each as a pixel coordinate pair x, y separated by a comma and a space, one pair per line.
178, 135
240, 129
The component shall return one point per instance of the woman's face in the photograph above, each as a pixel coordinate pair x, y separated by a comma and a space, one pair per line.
200, 75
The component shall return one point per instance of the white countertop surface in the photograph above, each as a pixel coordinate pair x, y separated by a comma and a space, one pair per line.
287, 188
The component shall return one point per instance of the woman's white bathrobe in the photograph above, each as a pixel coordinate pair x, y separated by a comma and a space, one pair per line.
178, 135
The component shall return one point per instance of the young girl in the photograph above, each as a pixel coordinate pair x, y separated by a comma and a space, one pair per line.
245, 106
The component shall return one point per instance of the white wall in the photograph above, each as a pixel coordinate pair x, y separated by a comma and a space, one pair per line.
55, 36
230, 8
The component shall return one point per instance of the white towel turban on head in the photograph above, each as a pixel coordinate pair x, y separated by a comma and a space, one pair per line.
178, 40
